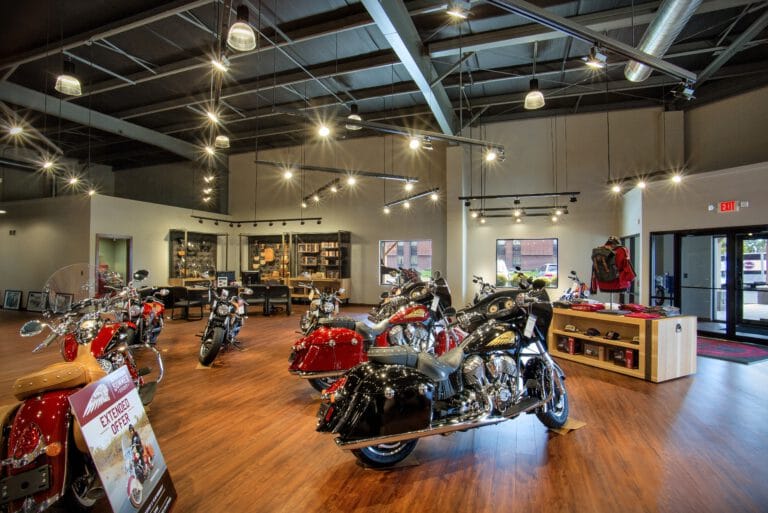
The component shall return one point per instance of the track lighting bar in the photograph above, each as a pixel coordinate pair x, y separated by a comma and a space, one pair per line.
412, 197
333, 186
338, 171
520, 208
518, 196
257, 221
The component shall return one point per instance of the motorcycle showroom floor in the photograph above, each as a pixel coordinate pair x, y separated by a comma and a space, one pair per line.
240, 438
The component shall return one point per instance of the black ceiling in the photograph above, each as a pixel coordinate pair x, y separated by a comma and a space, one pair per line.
148, 63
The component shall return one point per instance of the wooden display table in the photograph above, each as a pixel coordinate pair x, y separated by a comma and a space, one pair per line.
664, 348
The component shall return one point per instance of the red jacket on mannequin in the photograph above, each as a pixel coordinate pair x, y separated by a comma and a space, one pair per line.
623, 264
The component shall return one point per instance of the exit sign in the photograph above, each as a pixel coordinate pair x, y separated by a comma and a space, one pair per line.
728, 206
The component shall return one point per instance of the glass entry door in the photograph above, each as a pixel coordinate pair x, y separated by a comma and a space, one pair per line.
751, 288
703, 264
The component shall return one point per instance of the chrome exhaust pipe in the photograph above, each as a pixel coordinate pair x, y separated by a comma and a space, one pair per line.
321, 374
523, 407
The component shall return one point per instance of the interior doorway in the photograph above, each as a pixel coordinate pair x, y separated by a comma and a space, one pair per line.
718, 275
114, 253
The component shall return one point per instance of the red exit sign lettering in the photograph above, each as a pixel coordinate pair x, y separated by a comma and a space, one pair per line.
728, 206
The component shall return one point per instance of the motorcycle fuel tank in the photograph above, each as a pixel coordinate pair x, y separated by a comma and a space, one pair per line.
328, 349
415, 313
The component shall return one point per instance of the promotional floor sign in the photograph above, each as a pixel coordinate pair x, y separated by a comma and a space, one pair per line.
123, 445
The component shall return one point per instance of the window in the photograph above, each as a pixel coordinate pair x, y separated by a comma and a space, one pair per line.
536, 258
416, 254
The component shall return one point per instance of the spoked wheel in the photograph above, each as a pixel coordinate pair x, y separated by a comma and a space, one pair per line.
385, 455
210, 345
321, 384
135, 491
555, 412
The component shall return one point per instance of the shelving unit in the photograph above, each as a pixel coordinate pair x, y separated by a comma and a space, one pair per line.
322, 255
665, 348
268, 254
193, 253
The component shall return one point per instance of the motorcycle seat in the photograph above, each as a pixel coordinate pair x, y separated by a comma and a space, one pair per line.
369, 333
438, 369
338, 322
56, 376
396, 355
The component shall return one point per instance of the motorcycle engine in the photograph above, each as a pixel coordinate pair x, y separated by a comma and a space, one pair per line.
495, 378
415, 335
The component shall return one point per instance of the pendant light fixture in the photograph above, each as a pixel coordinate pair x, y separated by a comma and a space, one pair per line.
221, 141
353, 116
241, 36
67, 83
534, 99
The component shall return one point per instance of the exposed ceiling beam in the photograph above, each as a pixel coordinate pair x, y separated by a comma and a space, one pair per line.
291, 77
590, 36
753, 30
612, 19
24, 97
116, 27
394, 22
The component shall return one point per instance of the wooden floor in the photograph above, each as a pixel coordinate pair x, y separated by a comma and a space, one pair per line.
241, 438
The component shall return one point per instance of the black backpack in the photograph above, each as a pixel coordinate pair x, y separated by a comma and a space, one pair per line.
604, 264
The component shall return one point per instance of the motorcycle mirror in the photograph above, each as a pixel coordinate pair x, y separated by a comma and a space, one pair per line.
518, 268
246, 291
436, 275
31, 328
573, 273
384, 295
141, 274
163, 292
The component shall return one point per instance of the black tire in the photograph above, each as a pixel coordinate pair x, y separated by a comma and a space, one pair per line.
385, 455
321, 384
210, 345
556, 413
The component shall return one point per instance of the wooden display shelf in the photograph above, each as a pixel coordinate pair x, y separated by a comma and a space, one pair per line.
666, 347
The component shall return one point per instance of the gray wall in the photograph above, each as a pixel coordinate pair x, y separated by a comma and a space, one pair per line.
49, 234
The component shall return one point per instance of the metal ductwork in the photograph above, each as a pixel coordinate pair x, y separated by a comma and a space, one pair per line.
670, 20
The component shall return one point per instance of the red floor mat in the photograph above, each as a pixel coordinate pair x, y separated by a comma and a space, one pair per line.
731, 351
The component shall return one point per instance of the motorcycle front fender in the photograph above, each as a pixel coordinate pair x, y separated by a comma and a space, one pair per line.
328, 349
47, 416
383, 400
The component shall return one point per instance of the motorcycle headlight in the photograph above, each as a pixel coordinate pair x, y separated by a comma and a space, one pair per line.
222, 309
328, 307
87, 330
135, 311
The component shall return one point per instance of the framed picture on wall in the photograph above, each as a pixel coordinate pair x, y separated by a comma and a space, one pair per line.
35, 301
12, 300
62, 303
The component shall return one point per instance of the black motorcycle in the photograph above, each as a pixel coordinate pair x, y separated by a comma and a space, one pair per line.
381, 408
224, 323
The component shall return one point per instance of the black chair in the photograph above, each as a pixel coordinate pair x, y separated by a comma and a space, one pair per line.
279, 295
185, 299
259, 297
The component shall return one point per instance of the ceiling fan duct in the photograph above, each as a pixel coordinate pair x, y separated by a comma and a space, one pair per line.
670, 20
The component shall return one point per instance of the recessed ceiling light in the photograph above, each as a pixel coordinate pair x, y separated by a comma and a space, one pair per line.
287, 174
323, 131
414, 143
386, 210
351, 180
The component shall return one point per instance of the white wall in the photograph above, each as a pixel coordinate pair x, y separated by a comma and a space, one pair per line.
148, 224
261, 192
49, 234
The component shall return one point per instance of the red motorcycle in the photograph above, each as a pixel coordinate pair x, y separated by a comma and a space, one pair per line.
115, 340
45, 459
144, 308
339, 344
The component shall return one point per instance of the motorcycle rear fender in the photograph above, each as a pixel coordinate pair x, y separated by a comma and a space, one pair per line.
50, 413
328, 349
385, 400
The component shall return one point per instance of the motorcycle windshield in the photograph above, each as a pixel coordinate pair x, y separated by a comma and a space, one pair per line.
72, 285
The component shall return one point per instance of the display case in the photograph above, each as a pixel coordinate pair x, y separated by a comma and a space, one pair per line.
652, 349
269, 255
194, 253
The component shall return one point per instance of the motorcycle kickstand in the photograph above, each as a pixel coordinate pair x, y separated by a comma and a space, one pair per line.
237, 345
